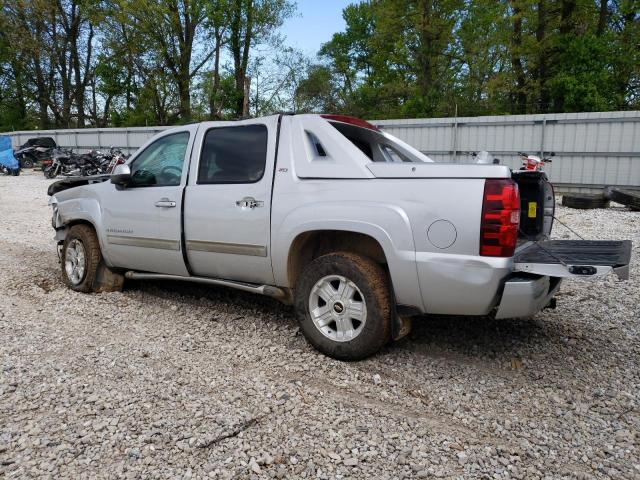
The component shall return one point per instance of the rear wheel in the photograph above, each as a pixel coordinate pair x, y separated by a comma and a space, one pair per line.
344, 306
28, 161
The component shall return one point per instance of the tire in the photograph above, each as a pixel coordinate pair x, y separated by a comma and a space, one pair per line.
81, 241
338, 335
15, 172
625, 197
28, 161
585, 201
50, 172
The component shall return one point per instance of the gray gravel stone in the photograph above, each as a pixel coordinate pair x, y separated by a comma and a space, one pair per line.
183, 381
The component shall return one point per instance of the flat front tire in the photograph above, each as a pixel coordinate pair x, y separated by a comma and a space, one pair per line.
343, 304
81, 258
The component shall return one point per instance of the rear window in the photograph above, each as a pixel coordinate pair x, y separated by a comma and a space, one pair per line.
376, 146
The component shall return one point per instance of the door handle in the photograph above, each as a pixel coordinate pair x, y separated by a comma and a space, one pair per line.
249, 202
165, 203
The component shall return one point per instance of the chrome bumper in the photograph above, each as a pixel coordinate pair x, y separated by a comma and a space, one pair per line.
524, 296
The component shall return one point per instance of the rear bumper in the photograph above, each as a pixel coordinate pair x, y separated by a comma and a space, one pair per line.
525, 295
453, 284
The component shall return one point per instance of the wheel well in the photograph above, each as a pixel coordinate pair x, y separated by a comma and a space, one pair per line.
67, 227
79, 222
311, 245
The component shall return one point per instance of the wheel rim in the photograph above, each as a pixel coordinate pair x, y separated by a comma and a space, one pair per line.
75, 261
337, 308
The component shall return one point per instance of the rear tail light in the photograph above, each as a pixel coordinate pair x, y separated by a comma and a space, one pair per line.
500, 218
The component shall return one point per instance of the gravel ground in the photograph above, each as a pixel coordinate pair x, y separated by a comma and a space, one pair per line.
178, 381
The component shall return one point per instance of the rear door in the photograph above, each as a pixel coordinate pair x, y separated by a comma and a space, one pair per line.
228, 201
575, 258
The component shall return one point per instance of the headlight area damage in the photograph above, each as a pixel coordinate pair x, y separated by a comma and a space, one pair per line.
71, 182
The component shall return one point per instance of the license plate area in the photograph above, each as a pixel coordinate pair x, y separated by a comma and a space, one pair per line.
575, 258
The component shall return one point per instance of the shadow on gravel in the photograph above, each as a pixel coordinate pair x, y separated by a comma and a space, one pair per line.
477, 341
192, 293
466, 330
477, 336
469, 336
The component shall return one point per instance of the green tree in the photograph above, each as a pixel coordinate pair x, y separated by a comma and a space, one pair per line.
252, 22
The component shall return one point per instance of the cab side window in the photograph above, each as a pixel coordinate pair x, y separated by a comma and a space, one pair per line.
233, 155
160, 164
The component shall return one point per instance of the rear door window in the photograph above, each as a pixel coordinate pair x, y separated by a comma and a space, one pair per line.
233, 155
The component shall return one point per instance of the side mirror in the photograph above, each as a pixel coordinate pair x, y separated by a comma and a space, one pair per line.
121, 175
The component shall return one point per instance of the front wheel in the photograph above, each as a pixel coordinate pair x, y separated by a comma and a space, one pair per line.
50, 172
344, 306
81, 258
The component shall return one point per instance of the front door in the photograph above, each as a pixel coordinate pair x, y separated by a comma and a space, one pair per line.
142, 221
228, 201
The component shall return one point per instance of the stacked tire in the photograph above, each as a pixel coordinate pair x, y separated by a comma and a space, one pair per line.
628, 198
584, 201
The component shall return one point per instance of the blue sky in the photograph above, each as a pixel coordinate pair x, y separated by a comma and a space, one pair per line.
314, 24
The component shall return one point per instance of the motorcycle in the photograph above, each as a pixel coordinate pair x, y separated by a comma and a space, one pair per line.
106, 161
35, 150
534, 163
65, 162
112, 159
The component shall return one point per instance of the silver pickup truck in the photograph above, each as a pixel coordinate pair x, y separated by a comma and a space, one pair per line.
357, 229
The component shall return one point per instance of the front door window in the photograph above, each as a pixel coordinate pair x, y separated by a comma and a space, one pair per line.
160, 164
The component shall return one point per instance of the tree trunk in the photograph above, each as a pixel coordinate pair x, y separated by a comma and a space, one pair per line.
542, 70
567, 8
518, 69
214, 104
247, 92
426, 49
185, 98
624, 72
240, 42
603, 16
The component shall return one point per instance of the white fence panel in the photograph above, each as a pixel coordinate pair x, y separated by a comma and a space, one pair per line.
592, 149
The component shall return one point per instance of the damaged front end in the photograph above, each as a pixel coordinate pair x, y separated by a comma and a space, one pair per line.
58, 225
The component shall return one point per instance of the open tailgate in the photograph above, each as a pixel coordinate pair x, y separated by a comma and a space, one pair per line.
575, 258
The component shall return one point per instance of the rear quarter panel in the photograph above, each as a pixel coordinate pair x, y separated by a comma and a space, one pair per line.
397, 212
